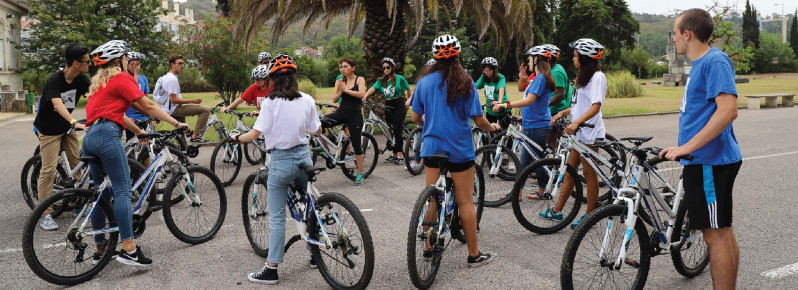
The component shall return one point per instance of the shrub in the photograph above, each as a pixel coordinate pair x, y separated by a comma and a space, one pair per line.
306, 86
623, 85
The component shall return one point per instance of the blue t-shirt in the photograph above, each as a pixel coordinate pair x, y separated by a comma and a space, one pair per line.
145, 88
711, 75
537, 115
446, 128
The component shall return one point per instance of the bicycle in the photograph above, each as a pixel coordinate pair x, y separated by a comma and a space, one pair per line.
192, 150
413, 156
226, 158
330, 223
373, 121
343, 157
434, 220
78, 204
620, 243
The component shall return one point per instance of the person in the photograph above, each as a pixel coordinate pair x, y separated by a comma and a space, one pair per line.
167, 93
591, 89
351, 89
133, 68
286, 117
446, 97
110, 94
525, 73
264, 58
709, 106
394, 87
561, 96
53, 120
535, 114
495, 88
257, 92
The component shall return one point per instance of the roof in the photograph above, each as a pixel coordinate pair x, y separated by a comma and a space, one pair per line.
308, 49
17, 5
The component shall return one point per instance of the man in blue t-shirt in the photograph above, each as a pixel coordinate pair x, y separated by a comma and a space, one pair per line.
709, 106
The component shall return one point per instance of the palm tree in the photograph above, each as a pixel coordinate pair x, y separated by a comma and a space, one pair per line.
385, 34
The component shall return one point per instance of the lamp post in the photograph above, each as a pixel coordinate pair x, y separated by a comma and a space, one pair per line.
783, 24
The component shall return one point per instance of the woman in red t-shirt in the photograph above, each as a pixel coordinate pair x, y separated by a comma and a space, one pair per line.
112, 92
256, 92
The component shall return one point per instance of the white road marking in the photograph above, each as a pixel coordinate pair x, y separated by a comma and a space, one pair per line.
366, 210
8, 251
770, 155
781, 272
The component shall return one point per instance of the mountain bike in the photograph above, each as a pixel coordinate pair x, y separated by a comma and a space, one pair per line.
226, 158
373, 121
412, 152
339, 152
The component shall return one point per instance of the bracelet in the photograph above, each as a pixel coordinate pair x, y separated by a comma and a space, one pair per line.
73, 122
508, 105
236, 138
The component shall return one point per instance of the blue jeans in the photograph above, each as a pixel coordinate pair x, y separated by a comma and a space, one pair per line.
283, 170
103, 140
539, 136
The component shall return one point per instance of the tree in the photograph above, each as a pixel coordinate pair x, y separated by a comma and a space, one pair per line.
544, 21
750, 26
773, 55
224, 63
341, 45
794, 33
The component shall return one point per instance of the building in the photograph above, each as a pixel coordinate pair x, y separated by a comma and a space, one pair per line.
172, 21
309, 52
11, 43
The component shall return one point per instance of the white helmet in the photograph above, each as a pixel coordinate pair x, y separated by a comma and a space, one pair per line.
122, 43
539, 50
388, 60
135, 55
264, 55
260, 72
430, 62
490, 61
588, 47
109, 51
445, 46
555, 51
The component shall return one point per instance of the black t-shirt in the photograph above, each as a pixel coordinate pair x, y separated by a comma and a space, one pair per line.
48, 121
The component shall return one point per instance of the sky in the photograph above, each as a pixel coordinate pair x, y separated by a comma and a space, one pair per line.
765, 7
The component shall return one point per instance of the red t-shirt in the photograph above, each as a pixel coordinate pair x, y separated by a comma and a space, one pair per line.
111, 102
531, 78
255, 95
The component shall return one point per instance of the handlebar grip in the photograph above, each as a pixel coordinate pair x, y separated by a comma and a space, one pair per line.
688, 157
587, 125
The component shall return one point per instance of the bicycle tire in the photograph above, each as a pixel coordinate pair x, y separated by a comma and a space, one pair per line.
30, 250
603, 216
350, 171
29, 179
226, 170
479, 205
366, 246
253, 154
410, 152
261, 248
424, 279
682, 231
499, 186
530, 219
194, 208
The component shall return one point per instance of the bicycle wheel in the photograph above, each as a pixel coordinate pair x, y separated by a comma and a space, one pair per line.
200, 215
586, 264
408, 126
255, 212
528, 211
424, 246
479, 204
29, 179
499, 184
412, 149
226, 161
370, 155
253, 153
691, 256
349, 264
65, 256
605, 192
671, 172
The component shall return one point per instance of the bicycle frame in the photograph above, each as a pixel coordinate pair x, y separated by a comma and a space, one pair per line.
374, 120
447, 206
324, 141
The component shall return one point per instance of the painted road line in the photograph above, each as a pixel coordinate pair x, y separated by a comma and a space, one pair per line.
366, 210
781, 272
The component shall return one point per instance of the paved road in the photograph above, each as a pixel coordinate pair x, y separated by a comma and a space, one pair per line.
765, 219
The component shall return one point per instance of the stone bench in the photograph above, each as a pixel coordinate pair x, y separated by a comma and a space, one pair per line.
770, 100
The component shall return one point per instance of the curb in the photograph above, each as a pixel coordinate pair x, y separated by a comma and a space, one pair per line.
653, 114
14, 116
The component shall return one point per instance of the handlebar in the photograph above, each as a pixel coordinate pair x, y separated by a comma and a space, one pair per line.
223, 103
372, 105
158, 135
325, 106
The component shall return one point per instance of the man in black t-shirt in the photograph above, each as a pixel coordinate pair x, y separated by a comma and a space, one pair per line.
54, 119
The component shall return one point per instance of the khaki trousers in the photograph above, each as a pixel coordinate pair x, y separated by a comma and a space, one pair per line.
50, 146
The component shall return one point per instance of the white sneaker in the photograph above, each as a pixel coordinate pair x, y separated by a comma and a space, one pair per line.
47, 223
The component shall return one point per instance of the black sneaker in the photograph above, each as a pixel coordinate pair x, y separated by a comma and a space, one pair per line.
99, 256
480, 260
265, 276
399, 161
313, 263
390, 159
198, 140
135, 259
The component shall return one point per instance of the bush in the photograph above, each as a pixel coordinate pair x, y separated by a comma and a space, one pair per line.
306, 86
623, 85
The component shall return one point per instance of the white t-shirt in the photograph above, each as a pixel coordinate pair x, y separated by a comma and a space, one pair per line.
284, 124
583, 99
167, 85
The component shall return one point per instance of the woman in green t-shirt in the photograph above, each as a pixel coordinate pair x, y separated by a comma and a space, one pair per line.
394, 87
495, 88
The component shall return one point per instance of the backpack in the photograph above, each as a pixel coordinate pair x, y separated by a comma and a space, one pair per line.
160, 95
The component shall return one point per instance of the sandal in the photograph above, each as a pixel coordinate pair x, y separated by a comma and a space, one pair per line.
537, 196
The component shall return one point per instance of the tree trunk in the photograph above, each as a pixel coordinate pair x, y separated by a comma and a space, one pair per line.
379, 41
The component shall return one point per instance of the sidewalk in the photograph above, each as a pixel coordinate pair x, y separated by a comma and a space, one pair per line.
8, 116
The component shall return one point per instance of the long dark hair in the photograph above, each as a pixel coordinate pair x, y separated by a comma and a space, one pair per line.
587, 67
495, 77
458, 83
385, 78
544, 67
285, 86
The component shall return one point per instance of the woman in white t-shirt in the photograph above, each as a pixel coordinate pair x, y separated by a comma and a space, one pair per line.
286, 116
585, 108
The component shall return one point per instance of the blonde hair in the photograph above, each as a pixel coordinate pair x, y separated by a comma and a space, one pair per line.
100, 80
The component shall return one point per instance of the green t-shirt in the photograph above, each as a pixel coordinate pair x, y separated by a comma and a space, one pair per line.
492, 92
340, 76
392, 91
561, 81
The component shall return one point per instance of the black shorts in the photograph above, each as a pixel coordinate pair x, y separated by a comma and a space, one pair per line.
433, 162
708, 194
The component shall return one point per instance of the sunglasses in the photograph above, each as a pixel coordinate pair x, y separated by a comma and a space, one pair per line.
386, 67
180, 63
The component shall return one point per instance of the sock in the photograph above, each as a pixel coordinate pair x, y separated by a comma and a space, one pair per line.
131, 253
271, 267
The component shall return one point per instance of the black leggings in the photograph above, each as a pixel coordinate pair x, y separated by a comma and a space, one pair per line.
352, 118
395, 119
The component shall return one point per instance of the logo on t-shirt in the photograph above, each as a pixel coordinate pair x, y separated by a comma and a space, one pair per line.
389, 91
69, 99
684, 97
489, 93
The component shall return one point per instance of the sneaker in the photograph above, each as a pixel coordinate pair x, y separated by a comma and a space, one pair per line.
313, 263
390, 159
198, 140
265, 276
551, 215
480, 260
135, 259
359, 179
317, 149
47, 223
99, 256
399, 160
576, 223
415, 165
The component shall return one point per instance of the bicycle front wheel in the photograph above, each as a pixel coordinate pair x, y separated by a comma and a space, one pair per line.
255, 212
691, 256
499, 184
424, 246
66, 255
370, 155
226, 161
199, 216
253, 152
529, 211
479, 205
412, 149
349, 264
591, 253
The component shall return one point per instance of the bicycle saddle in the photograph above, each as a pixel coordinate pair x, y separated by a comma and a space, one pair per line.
90, 159
311, 170
637, 139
